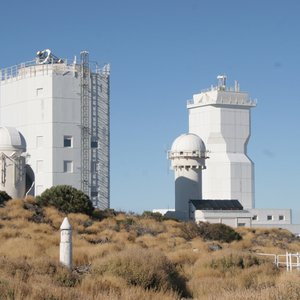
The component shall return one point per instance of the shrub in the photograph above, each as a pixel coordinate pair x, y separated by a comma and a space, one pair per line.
215, 232
156, 216
153, 215
104, 214
189, 230
65, 278
227, 263
4, 197
148, 269
218, 232
66, 199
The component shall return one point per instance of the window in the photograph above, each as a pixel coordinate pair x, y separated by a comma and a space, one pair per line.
255, 218
281, 217
93, 167
39, 141
68, 166
241, 224
94, 144
68, 141
39, 91
39, 166
269, 218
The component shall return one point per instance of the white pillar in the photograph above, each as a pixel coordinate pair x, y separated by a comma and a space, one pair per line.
65, 250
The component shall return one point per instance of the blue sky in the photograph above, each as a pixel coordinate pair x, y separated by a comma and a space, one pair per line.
161, 53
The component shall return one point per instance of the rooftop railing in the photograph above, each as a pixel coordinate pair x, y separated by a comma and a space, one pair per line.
32, 68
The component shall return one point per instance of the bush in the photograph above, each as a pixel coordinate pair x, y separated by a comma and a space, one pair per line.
189, 230
4, 197
156, 216
227, 263
66, 199
215, 232
218, 232
148, 269
103, 214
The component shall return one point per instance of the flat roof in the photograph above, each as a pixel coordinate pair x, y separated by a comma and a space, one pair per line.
217, 204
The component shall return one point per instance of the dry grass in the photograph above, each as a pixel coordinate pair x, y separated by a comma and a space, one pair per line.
130, 257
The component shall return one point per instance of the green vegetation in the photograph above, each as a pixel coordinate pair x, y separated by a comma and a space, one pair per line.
66, 199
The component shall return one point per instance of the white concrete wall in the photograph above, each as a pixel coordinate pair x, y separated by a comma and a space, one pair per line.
187, 187
66, 122
260, 216
44, 105
294, 228
230, 218
224, 126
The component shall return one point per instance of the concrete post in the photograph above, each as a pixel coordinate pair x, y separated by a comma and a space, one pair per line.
65, 250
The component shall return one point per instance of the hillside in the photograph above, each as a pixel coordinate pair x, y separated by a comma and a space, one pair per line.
124, 256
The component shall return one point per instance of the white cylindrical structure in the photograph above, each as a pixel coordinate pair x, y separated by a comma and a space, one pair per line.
12, 162
187, 157
65, 249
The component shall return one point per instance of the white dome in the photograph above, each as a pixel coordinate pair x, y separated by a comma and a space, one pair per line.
11, 139
188, 142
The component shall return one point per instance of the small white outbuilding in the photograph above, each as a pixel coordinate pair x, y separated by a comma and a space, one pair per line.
12, 162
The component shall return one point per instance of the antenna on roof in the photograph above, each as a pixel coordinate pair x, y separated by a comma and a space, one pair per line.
47, 57
222, 82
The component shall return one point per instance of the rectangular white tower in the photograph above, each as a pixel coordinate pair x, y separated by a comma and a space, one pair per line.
62, 109
221, 118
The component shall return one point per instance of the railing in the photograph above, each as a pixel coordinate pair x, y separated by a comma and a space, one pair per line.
288, 260
175, 154
32, 68
227, 100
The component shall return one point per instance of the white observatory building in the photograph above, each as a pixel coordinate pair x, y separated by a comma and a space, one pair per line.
221, 117
12, 162
61, 107
187, 160
214, 176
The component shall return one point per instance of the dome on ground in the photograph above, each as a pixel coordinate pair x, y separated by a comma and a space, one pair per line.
11, 139
188, 142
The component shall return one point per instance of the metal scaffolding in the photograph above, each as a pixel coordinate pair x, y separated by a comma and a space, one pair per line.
95, 136
104, 137
100, 138
85, 137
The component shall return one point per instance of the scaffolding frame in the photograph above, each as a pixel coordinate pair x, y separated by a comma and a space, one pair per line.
95, 132
104, 137
85, 111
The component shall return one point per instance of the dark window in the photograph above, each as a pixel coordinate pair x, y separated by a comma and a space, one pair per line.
281, 218
254, 217
269, 218
68, 141
94, 194
68, 166
94, 144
